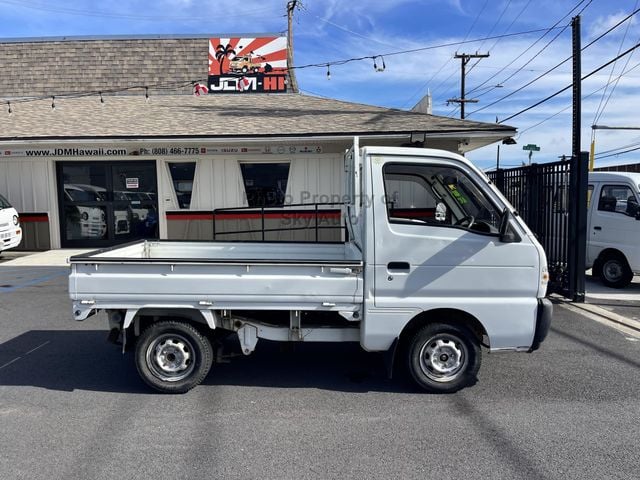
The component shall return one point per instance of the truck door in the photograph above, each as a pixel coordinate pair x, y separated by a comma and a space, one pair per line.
437, 241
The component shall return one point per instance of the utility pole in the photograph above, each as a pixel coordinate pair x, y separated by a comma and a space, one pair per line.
292, 73
464, 59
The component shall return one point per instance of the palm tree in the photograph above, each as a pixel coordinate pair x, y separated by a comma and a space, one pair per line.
223, 52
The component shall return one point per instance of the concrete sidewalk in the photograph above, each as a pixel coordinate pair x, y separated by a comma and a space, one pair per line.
50, 258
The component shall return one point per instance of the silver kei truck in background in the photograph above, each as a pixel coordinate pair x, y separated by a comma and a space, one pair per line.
435, 265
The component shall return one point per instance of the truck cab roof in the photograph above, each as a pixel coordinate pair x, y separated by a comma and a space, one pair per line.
615, 177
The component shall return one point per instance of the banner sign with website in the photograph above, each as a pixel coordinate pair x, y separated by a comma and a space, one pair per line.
248, 65
160, 151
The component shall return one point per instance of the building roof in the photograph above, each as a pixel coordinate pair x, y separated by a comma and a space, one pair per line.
55, 66
58, 66
224, 115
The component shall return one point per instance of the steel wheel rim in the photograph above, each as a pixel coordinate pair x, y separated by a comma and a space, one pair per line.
612, 270
171, 357
443, 357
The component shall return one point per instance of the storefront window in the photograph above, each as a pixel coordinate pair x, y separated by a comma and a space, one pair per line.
182, 175
265, 184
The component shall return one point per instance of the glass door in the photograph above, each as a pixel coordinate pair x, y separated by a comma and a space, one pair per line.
104, 204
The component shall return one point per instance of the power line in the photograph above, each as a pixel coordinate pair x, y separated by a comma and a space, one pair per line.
570, 85
181, 84
447, 61
132, 16
496, 24
527, 49
634, 144
340, 27
598, 111
556, 66
618, 153
414, 50
584, 98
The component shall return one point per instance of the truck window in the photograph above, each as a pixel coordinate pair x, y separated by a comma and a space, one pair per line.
435, 195
618, 199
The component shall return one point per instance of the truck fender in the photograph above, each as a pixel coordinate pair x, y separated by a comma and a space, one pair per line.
131, 314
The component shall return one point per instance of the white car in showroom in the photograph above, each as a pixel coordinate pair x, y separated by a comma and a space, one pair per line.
10, 230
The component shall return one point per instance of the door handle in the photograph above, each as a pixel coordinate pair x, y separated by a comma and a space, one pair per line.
398, 266
597, 228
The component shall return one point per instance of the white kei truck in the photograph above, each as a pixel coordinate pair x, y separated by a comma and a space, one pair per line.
435, 263
10, 230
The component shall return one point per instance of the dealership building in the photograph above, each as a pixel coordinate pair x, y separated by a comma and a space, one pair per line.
103, 141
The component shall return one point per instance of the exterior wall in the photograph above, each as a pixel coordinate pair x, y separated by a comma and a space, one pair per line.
29, 185
36, 233
218, 184
315, 176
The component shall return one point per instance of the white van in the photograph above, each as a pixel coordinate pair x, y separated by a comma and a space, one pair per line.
10, 231
613, 235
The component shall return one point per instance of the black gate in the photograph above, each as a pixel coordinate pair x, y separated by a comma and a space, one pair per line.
552, 199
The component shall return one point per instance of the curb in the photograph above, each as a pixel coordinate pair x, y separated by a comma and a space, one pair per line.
613, 320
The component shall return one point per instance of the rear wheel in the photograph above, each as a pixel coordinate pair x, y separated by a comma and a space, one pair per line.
173, 356
615, 272
443, 358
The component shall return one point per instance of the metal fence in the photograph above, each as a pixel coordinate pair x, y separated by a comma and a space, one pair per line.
551, 198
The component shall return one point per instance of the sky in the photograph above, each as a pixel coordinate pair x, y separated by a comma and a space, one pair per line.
327, 31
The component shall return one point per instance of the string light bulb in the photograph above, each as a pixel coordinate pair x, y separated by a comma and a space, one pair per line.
9, 109
146, 95
101, 100
53, 103
328, 72
380, 68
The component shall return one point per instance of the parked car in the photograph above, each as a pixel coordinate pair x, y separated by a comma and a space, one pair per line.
613, 240
10, 230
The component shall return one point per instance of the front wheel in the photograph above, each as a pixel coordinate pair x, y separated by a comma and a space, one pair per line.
443, 358
173, 356
614, 271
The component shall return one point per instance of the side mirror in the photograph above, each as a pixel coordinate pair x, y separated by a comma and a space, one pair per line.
507, 234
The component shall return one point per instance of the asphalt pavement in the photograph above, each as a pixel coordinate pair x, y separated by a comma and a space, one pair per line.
72, 406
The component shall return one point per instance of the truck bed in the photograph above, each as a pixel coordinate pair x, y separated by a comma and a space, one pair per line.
261, 276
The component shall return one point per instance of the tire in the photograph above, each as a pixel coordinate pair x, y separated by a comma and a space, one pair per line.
173, 356
614, 271
443, 358
244, 69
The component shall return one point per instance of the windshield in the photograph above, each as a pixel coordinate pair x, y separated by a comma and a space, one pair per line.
4, 203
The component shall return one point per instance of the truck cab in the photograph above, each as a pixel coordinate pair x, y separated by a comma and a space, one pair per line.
613, 246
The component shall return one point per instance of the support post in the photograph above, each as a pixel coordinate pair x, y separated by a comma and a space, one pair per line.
578, 180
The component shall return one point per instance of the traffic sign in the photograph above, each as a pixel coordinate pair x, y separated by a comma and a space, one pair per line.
531, 147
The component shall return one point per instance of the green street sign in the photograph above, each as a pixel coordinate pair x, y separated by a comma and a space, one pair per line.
531, 147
